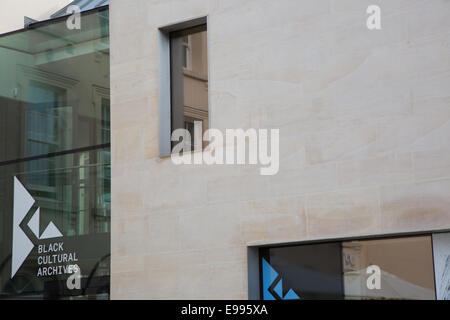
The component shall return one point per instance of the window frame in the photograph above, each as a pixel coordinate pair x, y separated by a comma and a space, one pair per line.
166, 94
256, 253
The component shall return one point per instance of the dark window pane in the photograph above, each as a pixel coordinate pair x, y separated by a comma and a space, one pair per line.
397, 268
311, 271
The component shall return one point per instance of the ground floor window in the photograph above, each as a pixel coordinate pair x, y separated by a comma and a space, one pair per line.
409, 267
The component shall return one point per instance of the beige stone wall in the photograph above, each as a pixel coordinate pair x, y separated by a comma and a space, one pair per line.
364, 136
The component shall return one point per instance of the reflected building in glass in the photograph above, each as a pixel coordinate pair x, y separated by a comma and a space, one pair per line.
55, 139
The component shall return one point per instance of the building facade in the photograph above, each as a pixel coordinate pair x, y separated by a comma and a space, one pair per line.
358, 208
363, 119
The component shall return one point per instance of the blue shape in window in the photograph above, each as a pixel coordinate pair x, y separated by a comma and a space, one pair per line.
279, 288
269, 277
291, 295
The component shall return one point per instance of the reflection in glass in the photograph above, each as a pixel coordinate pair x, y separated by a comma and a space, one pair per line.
54, 89
54, 137
406, 266
311, 271
397, 268
189, 81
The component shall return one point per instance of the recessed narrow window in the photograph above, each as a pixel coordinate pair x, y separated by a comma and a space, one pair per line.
189, 83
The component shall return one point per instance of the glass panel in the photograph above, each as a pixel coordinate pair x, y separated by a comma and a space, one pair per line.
78, 204
55, 38
405, 266
398, 268
195, 81
189, 79
51, 87
441, 257
55, 156
310, 271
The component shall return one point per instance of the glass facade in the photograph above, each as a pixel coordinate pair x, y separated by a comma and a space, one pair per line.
388, 268
55, 177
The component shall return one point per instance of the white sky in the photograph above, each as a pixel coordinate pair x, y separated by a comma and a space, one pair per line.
12, 12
